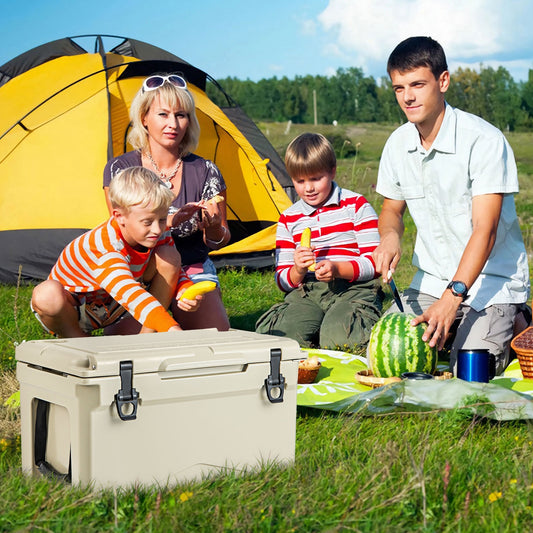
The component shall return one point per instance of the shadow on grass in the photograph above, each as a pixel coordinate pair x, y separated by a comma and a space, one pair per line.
246, 322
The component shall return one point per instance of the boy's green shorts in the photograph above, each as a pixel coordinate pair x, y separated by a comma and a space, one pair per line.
335, 315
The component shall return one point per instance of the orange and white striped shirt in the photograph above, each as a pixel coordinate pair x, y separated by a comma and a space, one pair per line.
100, 260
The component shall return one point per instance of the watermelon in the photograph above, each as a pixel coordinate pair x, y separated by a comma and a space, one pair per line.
396, 346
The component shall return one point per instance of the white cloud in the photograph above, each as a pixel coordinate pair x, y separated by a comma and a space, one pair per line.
470, 31
275, 68
308, 27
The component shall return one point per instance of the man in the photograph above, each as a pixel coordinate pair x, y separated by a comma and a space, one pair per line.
457, 175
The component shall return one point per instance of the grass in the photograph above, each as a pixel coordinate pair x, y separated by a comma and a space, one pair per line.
433, 472
413, 473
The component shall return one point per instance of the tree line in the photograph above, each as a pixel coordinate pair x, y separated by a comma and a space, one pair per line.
350, 96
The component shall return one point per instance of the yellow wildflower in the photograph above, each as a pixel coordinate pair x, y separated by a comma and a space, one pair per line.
184, 496
493, 496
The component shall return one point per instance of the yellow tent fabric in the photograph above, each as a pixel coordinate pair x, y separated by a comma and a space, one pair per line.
258, 242
60, 121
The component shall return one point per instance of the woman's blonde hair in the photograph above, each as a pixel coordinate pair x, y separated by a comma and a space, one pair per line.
308, 154
173, 97
139, 186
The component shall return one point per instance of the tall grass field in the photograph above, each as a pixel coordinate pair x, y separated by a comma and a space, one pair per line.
443, 471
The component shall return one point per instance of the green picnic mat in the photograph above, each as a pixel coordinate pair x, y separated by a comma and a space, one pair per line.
506, 397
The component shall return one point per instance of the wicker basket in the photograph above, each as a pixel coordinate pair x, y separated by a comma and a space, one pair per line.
442, 375
522, 344
306, 374
366, 377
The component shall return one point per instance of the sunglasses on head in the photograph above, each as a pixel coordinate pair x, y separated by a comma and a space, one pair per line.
154, 82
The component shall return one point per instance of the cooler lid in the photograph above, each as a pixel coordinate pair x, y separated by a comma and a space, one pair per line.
155, 352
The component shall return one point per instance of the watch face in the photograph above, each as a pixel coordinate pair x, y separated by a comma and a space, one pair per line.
459, 287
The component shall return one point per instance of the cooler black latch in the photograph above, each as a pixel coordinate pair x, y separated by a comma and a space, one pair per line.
275, 382
126, 398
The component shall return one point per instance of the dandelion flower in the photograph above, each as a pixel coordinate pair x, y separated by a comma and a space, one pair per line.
493, 496
184, 496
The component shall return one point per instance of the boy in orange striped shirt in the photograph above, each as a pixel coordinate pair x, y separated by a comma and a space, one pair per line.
124, 274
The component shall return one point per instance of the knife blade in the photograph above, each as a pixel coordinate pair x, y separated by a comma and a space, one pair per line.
395, 292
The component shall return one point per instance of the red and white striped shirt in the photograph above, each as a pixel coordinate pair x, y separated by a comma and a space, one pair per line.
100, 260
344, 229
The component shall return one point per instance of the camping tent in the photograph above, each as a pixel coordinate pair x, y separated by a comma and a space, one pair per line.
64, 113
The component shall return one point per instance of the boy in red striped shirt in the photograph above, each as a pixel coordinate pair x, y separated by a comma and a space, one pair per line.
124, 274
333, 298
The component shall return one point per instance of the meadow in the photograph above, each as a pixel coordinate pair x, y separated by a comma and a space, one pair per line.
442, 471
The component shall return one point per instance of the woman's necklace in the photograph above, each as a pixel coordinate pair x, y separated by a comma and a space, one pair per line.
166, 179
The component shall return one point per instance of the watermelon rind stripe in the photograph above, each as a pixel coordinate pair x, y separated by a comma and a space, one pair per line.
396, 347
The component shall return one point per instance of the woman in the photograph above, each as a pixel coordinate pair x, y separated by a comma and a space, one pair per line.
164, 133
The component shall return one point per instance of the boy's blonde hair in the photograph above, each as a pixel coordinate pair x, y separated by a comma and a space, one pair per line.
139, 186
309, 154
173, 97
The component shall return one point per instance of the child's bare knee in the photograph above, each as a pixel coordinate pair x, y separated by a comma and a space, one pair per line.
48, 297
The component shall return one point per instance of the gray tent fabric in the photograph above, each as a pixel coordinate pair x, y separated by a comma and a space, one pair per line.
37, 56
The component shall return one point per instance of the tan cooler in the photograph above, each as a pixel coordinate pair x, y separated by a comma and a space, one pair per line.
157, 408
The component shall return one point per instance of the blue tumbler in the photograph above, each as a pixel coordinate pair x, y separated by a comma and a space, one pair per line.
475, 365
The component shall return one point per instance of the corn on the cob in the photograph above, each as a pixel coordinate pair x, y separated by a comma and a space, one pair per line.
201, 287
216, 199
305, 242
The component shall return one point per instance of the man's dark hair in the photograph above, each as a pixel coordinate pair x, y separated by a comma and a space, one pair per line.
416, 52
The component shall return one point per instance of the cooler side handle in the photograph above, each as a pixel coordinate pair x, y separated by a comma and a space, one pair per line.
275, 382
127, 396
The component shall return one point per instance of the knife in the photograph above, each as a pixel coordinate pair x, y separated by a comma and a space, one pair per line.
395, 292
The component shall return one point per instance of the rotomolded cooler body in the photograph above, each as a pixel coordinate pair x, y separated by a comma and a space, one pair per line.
157, 408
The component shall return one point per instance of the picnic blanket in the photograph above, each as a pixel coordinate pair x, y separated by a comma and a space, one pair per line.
506, 397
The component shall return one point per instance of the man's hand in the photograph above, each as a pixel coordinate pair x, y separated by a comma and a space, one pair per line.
387, 256
439, 317
390, 224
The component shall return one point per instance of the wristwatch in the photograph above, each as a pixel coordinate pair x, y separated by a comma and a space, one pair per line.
458, 288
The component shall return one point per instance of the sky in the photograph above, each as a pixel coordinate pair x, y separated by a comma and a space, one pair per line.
251, 39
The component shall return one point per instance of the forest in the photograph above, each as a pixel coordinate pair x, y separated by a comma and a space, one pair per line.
349, 96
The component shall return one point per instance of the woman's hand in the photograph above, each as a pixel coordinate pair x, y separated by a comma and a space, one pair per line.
214, 224
184, 213
211, 218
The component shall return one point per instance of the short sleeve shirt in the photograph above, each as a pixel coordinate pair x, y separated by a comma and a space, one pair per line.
201, 180
469, 157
